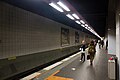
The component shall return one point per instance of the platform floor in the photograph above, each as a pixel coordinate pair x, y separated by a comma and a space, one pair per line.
77, 70
84, 71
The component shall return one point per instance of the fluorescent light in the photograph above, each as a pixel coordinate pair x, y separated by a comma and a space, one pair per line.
91, 30
86, 25
70, 16
82, 25
63, 6
76, 16
56, 7
77, 22
88, 28
82, 21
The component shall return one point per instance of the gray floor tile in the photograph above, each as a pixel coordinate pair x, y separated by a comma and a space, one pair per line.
83, 71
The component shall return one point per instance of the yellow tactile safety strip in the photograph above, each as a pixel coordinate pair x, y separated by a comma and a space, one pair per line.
52, 77
57, 78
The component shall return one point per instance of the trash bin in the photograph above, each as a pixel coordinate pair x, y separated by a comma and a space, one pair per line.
111, 69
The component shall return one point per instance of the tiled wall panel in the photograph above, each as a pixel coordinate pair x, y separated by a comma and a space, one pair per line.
23, 32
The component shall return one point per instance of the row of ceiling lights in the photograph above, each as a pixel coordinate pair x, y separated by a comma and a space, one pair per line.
60, 6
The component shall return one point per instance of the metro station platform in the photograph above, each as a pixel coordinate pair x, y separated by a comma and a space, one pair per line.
72, 68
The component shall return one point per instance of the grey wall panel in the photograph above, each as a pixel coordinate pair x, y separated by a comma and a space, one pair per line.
118, 35
25, 33
23, 63
72, 37
31, 39
111, 26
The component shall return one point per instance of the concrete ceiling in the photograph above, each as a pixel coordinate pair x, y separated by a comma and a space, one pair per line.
94, 11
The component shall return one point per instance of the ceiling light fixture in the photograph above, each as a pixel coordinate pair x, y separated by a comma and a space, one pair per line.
82, 21
91, 30
77, 22
82, 25
89, 27
56, 7
60, 6
70, 16
86, 25
63, 6
76, 16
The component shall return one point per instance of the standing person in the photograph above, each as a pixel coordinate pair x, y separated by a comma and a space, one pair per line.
95, 42
83, 51
106, 44
102, 43
91, 51
99, 43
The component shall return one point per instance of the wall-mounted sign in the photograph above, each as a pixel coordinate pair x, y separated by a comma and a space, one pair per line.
76, 37
65, 40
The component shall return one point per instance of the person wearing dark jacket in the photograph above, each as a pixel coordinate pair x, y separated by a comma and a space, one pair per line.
106, 44
102, 43
83, 51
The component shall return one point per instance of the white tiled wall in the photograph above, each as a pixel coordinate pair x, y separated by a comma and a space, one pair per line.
23, 32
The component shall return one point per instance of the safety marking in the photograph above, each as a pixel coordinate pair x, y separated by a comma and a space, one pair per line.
52, 77
55, 73
78, 53
52, 66
65, 59
73, 55
58, 78
32, 76
38, 74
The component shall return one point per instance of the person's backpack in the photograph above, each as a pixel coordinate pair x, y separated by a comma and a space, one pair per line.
91, 49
